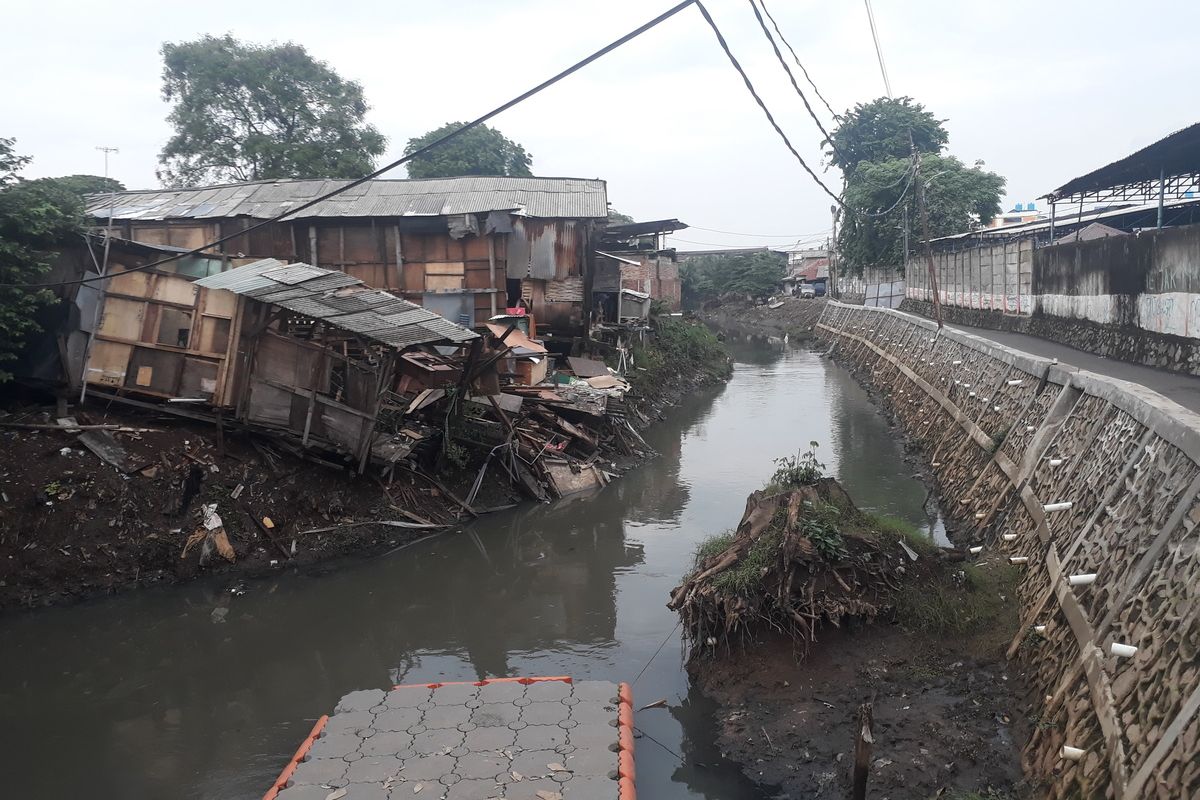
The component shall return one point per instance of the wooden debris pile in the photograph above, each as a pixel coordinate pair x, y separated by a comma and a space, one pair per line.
800, 557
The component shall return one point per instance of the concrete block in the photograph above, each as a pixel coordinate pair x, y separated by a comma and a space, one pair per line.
350, 722
490, 738
440, 741
446, 716
427, 767
455, 694
492, 714
482, 766
373, 769
320, 772
591, 788
535, 763
362, 700
334, 745
388, 743
408, 698
501, 692
541, 737
548, 691
366, 791
304, 792
596, 690
475, 790
396, 719
546, 713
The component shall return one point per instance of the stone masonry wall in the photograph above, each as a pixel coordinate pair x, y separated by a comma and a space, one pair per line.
1010, 438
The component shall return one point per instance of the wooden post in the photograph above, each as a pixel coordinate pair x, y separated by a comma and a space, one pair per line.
399, 260
492, 272
862, 753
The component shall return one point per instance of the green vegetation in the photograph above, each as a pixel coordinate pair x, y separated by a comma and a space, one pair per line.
479, 151
802, 469
968, 604
712, 546
756, 275
821, 528
36, 216
246, 112
746, 575
679, 347
893, 527
875, 155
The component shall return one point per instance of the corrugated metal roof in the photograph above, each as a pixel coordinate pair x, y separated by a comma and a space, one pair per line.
340, 300
575, 198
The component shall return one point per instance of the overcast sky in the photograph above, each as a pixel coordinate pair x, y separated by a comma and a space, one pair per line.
1041, 91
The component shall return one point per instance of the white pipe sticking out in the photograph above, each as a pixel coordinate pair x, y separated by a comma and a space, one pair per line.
996, 409
1018, 559
970, 394
964, 501
976, 550
1048, 507
1056, 462
935, 464
1072, 753
1017, 382
1083, 579
956, 363
980, 515
1009, 537
1030, 428
1122, 650
1039, 628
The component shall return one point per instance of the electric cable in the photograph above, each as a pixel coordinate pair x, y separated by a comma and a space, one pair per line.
754, 93
791, 77
775, 24
392, 165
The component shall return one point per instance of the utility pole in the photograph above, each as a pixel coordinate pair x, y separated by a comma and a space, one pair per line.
923, 210
102, 284
832, 289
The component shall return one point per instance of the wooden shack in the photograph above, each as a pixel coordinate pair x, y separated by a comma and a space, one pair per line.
466, 248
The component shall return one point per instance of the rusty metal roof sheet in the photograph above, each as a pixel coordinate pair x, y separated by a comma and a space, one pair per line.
574, 198
341, 301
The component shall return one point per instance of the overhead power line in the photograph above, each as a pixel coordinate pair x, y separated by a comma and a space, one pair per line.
759, 235
796, 58
754, 93
791, 77
887, 84
578, 65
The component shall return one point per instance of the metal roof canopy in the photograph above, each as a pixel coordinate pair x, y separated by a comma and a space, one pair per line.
547, 198
341, 301
1169, 168
643, 228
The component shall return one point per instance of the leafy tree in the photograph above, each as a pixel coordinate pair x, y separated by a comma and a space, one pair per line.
479, 151
253, 112
756, 275
84, 185
874, 152
35, 217
879, 130
958, 198
617, 218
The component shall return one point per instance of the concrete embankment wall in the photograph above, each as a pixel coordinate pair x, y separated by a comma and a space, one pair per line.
1010, 437
1133, 297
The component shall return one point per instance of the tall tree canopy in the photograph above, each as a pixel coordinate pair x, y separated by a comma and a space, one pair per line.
875, 155
251, 112
35, 217
879, 130
84, 185
479, 151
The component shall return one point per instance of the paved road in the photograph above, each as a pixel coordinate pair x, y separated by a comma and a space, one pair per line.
1183, 389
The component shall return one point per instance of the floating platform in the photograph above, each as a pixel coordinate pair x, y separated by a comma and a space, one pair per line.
502, 739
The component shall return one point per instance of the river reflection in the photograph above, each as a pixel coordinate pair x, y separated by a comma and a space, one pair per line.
197, 692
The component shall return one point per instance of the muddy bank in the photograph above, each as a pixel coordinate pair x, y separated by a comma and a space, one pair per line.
72, 526
796, 317
945, 721
811, 607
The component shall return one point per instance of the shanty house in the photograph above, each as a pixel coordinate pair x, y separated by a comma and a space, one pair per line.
466, 248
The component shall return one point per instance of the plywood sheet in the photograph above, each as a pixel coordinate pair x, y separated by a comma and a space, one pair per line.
219, 302
132, 283
171, 289
108, 363
157, 370
442, 283
122, 319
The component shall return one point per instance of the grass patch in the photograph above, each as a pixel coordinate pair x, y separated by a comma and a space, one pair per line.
896, 528
679, 347
746, 575
968, 603
713, 545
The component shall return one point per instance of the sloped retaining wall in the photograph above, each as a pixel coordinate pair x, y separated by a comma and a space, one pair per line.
1010, 438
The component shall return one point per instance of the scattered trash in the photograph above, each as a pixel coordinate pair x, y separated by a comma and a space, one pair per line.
219, 614
66, 451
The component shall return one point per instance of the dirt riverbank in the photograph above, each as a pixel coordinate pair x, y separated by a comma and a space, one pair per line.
72, 526
795, 317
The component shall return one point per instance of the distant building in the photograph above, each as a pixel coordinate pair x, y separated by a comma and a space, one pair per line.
1021, 212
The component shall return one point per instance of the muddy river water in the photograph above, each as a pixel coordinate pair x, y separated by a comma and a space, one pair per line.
203, 691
